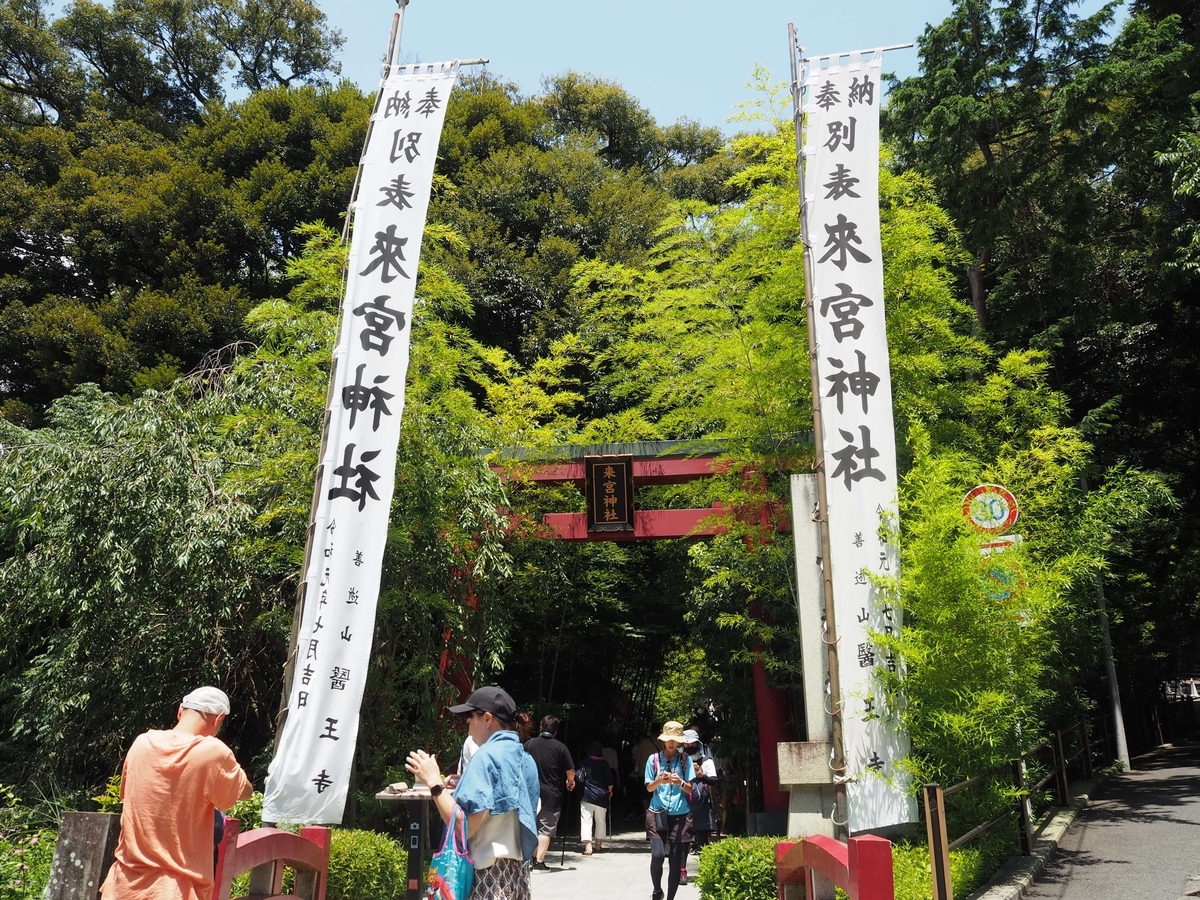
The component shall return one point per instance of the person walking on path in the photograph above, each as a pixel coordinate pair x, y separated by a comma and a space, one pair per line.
497, 791
597, 778
171, 784
556, 771
669, 776
704, 820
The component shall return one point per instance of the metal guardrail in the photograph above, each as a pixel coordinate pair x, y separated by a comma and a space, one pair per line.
935, 795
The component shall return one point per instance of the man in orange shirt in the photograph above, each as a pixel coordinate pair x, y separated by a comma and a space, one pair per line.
171, 783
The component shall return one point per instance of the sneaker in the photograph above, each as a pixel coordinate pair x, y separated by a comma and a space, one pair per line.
657, 895
683, 876
541, 865
587, 849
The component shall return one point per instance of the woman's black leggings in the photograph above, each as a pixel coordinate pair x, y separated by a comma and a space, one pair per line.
675, 854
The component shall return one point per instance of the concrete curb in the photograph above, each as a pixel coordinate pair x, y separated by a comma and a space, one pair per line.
1015, 877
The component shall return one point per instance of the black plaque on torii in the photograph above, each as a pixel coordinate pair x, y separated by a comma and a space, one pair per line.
608, 486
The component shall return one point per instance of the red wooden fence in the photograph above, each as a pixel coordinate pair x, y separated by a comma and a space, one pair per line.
862, 868
264, 852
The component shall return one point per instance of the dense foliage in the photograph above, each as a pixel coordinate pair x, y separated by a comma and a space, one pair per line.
1065, 151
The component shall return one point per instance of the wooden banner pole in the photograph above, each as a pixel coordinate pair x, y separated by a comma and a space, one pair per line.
841, 815
289, 670
289, 667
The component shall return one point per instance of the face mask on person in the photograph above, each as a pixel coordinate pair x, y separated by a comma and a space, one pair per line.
692, 750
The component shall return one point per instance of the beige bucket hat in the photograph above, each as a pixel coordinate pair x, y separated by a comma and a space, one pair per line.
672, 731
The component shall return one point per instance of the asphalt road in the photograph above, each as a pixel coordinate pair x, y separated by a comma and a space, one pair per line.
1137, 839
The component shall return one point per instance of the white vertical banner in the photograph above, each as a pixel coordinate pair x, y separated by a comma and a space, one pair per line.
308, 780
841, 193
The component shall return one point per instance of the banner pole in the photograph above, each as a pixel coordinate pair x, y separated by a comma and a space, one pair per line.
289, 667
841, 813
393, 57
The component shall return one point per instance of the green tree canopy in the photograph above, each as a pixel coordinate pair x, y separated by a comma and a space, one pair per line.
1063, 156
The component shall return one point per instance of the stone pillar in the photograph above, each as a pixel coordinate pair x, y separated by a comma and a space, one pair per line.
83, 855
804, 766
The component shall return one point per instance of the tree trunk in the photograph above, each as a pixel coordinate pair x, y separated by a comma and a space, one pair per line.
977, 276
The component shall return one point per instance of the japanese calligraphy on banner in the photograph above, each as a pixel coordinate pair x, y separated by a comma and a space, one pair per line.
309, 777
841, 193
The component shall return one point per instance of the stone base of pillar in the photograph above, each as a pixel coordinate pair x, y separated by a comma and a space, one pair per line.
805, 774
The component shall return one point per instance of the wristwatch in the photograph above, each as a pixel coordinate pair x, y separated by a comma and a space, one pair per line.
436, 789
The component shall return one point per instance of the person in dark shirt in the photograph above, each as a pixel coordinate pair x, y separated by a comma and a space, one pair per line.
597, 778
556, 772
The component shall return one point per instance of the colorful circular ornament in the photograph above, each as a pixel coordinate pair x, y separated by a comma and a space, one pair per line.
990, 508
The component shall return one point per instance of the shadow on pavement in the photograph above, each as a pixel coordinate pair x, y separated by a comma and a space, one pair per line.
1073, 859
1134, 838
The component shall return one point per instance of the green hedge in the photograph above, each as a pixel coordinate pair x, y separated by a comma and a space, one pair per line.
738, 869
970, 866
364, 865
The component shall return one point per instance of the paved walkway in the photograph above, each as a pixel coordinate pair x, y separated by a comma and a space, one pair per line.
1137, 838
619, 873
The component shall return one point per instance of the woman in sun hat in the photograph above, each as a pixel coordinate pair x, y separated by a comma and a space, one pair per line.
668, 777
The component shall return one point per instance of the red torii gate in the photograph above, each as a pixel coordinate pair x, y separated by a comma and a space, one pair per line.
674, 462
648, 524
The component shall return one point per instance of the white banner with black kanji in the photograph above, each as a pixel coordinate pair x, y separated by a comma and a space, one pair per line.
841, 193
309, 777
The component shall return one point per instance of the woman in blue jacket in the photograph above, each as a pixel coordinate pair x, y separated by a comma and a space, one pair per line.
498, 792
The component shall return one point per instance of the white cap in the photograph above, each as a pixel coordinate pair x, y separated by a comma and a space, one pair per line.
207, 700
690, 737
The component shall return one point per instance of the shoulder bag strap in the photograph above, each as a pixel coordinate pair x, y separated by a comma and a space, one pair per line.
462, 849
450, 835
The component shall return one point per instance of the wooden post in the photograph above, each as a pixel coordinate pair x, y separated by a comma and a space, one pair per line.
1087, 747
226, 851
1024, 823
870, 864
416, 836
841, 813
82, 855
939, 842
311, 885
1060, 761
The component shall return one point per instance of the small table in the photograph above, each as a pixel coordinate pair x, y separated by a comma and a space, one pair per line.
416, 833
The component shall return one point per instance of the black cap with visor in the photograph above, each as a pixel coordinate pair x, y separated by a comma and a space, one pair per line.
488, 699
